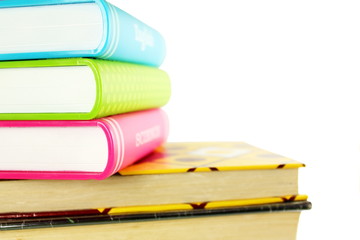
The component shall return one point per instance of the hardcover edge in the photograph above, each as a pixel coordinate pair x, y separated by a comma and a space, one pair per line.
296, 206
54, 63
60, 175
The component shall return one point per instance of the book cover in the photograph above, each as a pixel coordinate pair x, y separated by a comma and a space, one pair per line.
156, 208
30, 148
120, 36
86, 218
209, 156
115, 87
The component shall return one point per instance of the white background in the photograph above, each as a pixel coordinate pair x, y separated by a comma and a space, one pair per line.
280, 75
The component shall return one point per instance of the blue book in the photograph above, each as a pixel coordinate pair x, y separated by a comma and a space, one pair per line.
76, 28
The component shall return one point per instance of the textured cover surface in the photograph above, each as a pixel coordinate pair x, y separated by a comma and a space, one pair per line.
128, 87
121, 87
125, 37
208, 156
130, 137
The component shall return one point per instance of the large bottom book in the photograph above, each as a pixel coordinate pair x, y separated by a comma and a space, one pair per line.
262, 221
180, 191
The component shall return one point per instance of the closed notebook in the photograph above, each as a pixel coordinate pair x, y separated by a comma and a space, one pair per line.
78, 89
93, 149
76, 28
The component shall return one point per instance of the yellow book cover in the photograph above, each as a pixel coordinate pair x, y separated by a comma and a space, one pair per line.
208, 156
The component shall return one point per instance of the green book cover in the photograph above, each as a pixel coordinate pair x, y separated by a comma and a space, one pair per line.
78, 89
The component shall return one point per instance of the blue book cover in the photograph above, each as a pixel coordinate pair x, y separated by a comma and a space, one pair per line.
76, 28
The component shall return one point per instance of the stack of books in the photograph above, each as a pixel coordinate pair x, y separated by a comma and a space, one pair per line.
82, 140
91, 107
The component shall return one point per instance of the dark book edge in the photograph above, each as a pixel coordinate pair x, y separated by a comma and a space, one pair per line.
31, 223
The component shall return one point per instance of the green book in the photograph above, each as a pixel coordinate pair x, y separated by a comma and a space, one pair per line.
78, 89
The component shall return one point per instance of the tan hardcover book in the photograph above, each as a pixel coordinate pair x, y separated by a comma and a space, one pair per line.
175, 174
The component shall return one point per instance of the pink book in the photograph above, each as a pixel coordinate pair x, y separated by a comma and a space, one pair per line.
76, 149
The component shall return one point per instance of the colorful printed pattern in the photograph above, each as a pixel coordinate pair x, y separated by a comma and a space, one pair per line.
217, 156
58, 221
129, 87
201, 205
159, 208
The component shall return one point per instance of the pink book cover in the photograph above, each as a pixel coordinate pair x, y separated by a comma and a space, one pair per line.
129, 136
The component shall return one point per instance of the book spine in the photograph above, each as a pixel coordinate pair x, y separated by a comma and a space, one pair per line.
133, 136
127, 87
131, 40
